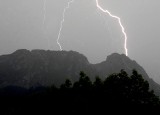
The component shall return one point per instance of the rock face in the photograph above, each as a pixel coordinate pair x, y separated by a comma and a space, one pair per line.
38, 67
43, 68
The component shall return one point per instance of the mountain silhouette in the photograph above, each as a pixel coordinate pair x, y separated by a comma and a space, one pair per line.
24, 68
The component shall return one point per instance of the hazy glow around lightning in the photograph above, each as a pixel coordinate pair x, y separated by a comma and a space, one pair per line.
61, 26
120, 23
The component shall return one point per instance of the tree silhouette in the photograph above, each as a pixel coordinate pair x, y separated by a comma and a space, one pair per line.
84, 82
118, 91
132, 90
66, 85
98, 83
140, 92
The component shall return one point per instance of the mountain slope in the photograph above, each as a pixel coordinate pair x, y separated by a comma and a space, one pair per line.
43, 68
115, 62
39, 67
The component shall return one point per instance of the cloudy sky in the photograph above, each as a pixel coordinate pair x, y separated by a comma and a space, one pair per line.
86, 29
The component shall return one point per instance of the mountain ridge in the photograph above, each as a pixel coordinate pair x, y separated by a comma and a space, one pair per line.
33, 68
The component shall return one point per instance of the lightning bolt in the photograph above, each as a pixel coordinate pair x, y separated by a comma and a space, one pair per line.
120, 23
44, 20
44, 10
61, 25
103, 10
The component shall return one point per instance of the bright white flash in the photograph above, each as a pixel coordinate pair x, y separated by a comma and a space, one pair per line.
103, 10
120, 23
61, 26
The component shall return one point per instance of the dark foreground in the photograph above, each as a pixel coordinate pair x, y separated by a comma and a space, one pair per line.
117, 94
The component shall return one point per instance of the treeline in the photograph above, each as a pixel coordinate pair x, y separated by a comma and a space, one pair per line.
118, 92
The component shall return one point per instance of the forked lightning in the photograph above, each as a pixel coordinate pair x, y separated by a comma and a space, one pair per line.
61, 26
120, 23
101, 9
